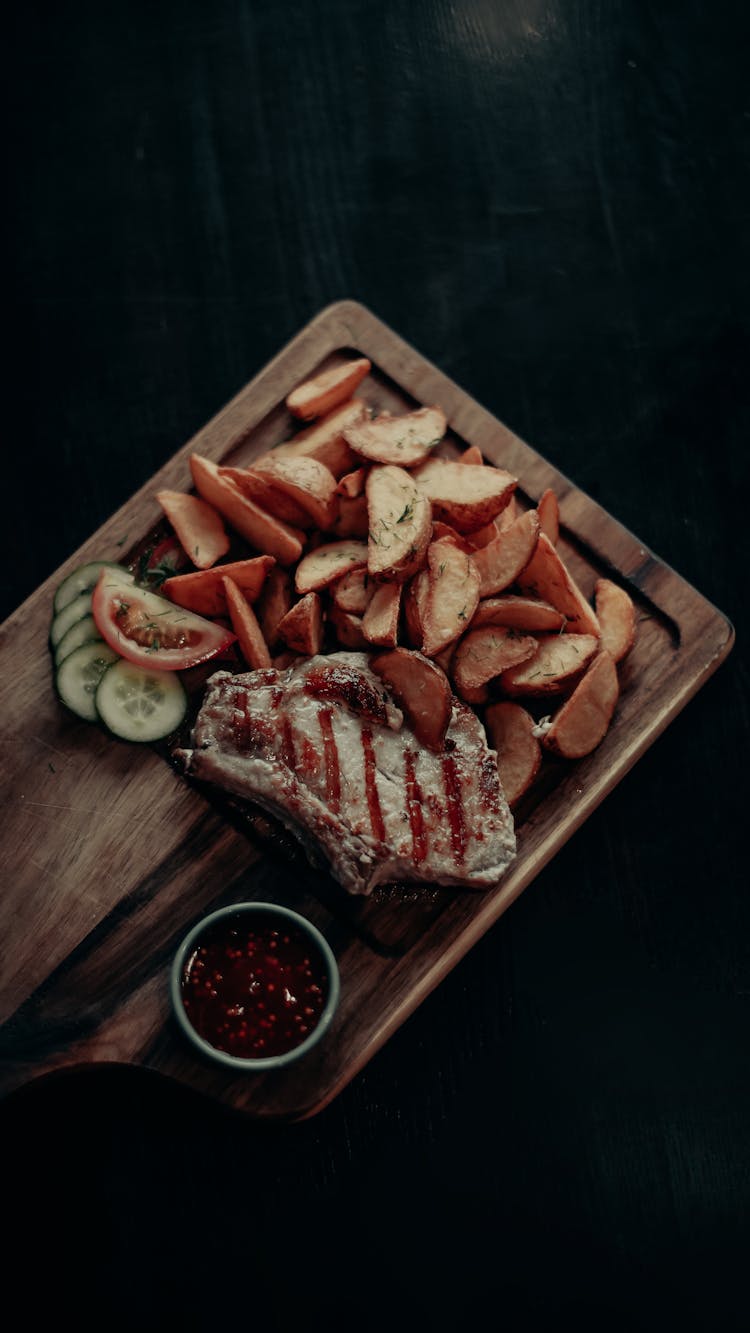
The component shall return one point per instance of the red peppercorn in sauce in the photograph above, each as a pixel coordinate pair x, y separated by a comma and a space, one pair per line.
254, 986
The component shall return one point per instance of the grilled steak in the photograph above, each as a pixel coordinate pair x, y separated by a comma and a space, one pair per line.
322, 747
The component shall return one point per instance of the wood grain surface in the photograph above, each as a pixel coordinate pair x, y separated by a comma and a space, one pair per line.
110, 857
550, 200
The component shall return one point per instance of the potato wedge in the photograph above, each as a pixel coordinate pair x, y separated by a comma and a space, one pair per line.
525, 613
380, 621
274, 602
329, 562
325, 391
421, 689
440, 529
549, 515
353, 592
302, 626
415, 601
325, 441
472, 694
262, 492
452, 596
484, 653
286, 659
466, 497
546, 577
400, 524
483, 536
500, 563
616, 614
305, 480
352, 484
510, 731
471, 455
348, 629
262, 530
445, 659
351, 519
583, 721
203, 591
402, 440
509, 514
556, 665
198, 526
250, 638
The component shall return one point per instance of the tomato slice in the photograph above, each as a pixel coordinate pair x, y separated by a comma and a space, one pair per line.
147, 629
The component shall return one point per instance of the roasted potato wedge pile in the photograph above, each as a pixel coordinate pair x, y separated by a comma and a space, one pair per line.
369, 539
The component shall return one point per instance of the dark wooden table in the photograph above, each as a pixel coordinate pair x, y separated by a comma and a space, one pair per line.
550, 201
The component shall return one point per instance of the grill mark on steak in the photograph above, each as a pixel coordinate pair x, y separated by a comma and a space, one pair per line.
248, 731
341, 684
259, 679
288, 755
371, 787
380, 806
331, 756
414, 808
310, 759
455, 807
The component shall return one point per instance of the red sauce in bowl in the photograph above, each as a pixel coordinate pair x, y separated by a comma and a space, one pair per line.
254, 985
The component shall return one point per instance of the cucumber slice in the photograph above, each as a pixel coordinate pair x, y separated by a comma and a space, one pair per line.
138, 704
83, 579
78, 676
70, 615
83, 631
79, 605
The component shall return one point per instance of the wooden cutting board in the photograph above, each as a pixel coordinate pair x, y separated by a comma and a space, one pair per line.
109, 856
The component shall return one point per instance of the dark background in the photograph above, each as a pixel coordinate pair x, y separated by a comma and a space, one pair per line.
550, 199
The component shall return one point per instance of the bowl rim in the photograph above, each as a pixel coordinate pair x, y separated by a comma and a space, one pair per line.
251, 1064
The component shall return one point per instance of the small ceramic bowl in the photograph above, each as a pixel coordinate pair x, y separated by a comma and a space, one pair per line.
254, 986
